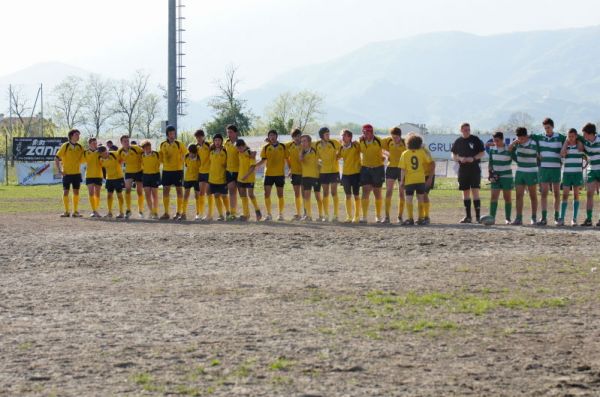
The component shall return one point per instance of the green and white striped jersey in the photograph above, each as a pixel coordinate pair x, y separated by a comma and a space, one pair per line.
592, 150
501, 161
526, 156
550, 147
573, 161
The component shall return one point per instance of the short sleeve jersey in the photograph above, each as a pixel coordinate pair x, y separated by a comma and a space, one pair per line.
151, 163
414, 163
218, 166
350, 156
192, 167
247, 159
93, 168
132, 158
233, 161
394, 149
275, 156
71, 156
310, 164
468, 147
204, 154
294, 156
328, 154
172, 154
112, 165
372, 153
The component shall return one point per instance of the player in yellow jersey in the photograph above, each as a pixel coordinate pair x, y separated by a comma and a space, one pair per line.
310, 177
172, 153
217, 178
93, 175
295, 172
413, 163
394, 146
151, 177
204, 154
246, 180
231, 175
275, 155
114, 179
350, 154
329, 177
372, 172
131, 155
68, 162
190, 180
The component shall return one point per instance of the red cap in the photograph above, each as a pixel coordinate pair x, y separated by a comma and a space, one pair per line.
367, 127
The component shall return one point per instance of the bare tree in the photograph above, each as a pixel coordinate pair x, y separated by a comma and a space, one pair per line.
97, 103
19, 103
308, 106
229, 108
129, 95
68, 102
150, 109
517, 119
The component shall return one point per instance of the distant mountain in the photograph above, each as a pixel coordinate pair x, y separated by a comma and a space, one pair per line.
445, 78
48, 73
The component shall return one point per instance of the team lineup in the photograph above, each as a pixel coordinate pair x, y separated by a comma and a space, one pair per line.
216, 174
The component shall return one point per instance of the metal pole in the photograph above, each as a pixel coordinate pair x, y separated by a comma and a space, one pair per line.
10, 124
42, 109
172, 78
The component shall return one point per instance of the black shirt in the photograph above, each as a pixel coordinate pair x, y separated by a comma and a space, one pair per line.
468, 147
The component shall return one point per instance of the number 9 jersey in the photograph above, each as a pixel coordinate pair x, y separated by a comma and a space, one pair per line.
415, 163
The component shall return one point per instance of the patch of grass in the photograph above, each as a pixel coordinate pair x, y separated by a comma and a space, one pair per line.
146, 381
215, 363
188, 390
281, 380
420, 325
244, 370
25, 346
281, 364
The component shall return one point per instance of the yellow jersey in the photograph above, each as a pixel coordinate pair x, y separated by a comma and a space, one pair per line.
372, 154
112, 165
394, 149
414, 163
351, 157
93, 168
172, 155
294, 156
275, 156
247, 159
132, 158
233, 161
310, 164
204, 154
192, 168
328, 154
71, 157
151, 163
218, 166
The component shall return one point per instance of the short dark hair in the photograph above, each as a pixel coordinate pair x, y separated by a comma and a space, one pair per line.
347, 132
548, 121
123, 137
414, 141
589, 128
323, 131
217, 136
102, 149
396, 131
193, 148
572, 131
463, 125
232, 127
240, 143
170, 128
272, 132
296, 132
198, 133
498, 135
109, 143
133, 142
521, 131
92, 139
73, 132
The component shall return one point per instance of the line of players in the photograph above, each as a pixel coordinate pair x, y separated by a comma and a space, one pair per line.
540, 159
220, 171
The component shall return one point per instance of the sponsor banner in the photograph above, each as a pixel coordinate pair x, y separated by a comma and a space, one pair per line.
37, 173
440, 145
36, 149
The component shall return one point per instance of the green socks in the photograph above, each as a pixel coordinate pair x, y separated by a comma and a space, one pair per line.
563, 210
507, 210
493, 208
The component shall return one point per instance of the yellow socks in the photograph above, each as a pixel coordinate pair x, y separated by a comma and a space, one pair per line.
401, 207
348, 208
211, 205
388, 206
166, 202
426, 209
75, 202
326, 206
357, 205
128, 200
308, 207
365, 207
298, 202
225, 203
184, 206
179, 205
378, 205
320, 206
409, 209
200, 204
246, 207
109, 202
254, 203
281, 205
336, 206
268, 205
120, 200
66, 203
421, 210
219, 203
140, 198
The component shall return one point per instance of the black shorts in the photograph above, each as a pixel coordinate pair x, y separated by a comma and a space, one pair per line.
278, 181
372, 176
329, 177
296, 180
93, 181
418, 188
71, 180
115, 185
245, 185
192, 184
203, 178
151, 180
136, 176
469, 178
430, 188
311, 183
231, 177
172, 178
351, 184
392, 173
218, 189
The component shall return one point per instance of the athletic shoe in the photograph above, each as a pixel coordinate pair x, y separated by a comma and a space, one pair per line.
76, 215
574, 222
507, 222
182, 217
400, 220
120, 216
408, 222
420, 222
154, 216
466, 219
198, 217
543, 222
348, 220
296, 218
478, 219
176, 216
560, 222
65, 215
426, 221
386, 220
306, 218
220, 219
258, 215
280, 218
587, 222
207, 218
243, 219
127, 214
230, 218
165, 217
93, 215
141, 215
335, 220
363, 220
323, 219
109, 215
517, 222
598, 224
378, 220
268, 218
355, 220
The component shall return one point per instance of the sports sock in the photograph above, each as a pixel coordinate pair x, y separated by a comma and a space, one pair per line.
378, 205
544, 215
320, 207
200, 206
166, 203
326, 206
211, 205
507, 210
307, 207
254, 203
409, 209
219, 204
281, 203
365, 207
225, 203
336, 206
401, 205
421, 210
184, 206
349, 208
388, 206
109, 202
589, 214
75, 202
268, 205
477, 205
92, 200
298, 203
246, 207
575, 209
493, 208
357, 205
66, 203
120, 200
180, 205
467, 204
140, 199
128, 200
426, 206
563, 209
555, 215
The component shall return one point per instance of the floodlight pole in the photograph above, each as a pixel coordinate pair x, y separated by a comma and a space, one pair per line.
172, 79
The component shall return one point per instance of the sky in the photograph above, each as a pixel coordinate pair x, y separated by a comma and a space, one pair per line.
263, 38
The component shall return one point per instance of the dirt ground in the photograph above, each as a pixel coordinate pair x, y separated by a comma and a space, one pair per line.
102, 308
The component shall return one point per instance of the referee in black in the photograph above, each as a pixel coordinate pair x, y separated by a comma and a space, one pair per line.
468, 151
